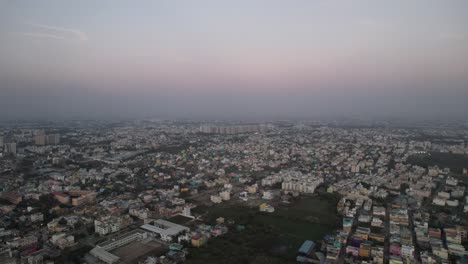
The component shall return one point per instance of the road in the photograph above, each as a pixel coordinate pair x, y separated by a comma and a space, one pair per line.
341, 257
386, 256
417, 254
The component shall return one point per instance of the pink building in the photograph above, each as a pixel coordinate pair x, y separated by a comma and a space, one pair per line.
62, 197
352, 250
395, 249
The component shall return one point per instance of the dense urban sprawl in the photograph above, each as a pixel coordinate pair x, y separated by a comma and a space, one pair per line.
169, 191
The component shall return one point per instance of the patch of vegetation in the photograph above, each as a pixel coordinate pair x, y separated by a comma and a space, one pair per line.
74, 255
180, 219
456, 162
268, 237
461, 177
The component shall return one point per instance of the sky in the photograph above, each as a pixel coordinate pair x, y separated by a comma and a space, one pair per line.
243, 59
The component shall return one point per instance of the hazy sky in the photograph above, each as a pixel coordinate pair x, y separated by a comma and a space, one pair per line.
233, 59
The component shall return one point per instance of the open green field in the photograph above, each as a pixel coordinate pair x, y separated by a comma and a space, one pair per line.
180, 219
461, 178
456, 162
268, 237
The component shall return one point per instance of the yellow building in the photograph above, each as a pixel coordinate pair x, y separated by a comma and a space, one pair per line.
363, 236
376, 237
199, 240
365, 250
395, 261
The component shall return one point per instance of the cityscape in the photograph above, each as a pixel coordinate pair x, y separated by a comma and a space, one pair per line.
234, 132
152, 191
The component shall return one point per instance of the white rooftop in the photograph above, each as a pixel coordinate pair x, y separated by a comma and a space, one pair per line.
103, 254
164, 228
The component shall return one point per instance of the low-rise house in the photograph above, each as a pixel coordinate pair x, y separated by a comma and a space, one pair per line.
62, 240
199, 240
266, 208
111, 224
22, 242
395, 249
216, 199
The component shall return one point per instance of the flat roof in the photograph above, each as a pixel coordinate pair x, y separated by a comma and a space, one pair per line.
120, 237
99, 252
306, 247
164, 227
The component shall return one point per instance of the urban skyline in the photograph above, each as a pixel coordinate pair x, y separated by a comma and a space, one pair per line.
234, 132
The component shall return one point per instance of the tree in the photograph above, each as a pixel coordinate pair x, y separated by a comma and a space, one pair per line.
63, 221
403, 187
48, 201
77, 225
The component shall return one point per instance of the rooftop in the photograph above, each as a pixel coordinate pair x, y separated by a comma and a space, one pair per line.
164, 227
306, 247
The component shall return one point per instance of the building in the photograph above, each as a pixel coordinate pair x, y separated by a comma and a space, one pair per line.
102, 251
165, 229
305, 252
187, 212
111, 224
377, 237
219, 230
364, 218
377, 222
9, 148
333, 250
62, 240
216, 199
23, 242
142, 213
377, 254
440, 251
301, 184
12, 197
267, 195
462, 231
238, 129
452, 203
347, 224
266, 208
83, 198
395, 249
271, 180
40, 140
365, 250
225, 195
252, 189
53, 139
6, 256
395, 260
407, 251
352, 250
378, 211
62, 197
37, 217
199, 240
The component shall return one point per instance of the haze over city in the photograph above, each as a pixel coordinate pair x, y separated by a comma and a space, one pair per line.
233, 132
233, 59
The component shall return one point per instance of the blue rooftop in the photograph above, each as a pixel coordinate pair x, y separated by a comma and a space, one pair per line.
306, 247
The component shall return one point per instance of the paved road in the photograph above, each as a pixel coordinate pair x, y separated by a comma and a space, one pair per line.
417, 254
387, 235
341, 257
